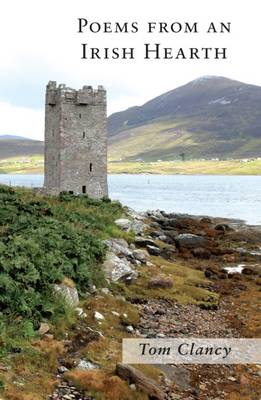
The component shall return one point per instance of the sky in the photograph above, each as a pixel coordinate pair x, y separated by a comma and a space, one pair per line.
40, 42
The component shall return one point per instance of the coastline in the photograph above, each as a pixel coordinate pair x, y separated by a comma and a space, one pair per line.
34, 165
167, 275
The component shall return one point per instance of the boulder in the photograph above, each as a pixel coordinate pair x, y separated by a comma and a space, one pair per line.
153, 250
119, 247
202, 253
154, 213
168, 253
249, 271
142, 382
117, 268
206, 220
190, 241
69, 293
141, 255
43, 329
223, 228
105, 291
160, 283
86, 365
123, 223
156, 234
163, 238
143, 242
138, 227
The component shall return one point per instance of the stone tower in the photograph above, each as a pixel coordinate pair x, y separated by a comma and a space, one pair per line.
75, 140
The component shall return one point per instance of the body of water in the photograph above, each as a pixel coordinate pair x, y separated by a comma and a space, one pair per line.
218, 196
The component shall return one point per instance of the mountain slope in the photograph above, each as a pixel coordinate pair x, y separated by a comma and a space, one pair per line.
12, 146
208, 117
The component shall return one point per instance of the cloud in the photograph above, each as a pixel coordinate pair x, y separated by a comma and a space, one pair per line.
21, 121
40, 43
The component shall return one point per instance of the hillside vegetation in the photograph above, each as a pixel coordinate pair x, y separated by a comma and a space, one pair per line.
43, 241
211, 117
13, 146
194, 167
34, 165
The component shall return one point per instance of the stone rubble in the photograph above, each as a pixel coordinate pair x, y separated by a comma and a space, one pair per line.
182, 237
66, 391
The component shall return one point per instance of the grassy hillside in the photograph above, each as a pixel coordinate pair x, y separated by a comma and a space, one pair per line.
46, 240
166, 140
14, 146
34, 165
233, 167
208, 118
43, 241
70, 228
22, 165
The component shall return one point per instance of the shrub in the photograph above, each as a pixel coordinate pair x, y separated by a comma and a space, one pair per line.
44, 240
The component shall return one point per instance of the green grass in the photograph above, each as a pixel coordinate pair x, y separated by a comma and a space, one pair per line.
44, 240
22, 165
194, 167
166, 139
191, 167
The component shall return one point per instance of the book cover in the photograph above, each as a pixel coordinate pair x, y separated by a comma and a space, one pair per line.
130, 163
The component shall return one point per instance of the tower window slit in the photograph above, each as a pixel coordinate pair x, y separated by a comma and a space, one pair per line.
90, 167
83, 135
80, 115
84, 189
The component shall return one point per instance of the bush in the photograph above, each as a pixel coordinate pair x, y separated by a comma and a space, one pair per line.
44, 240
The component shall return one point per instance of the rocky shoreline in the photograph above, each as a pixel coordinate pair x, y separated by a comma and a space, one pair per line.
158, 275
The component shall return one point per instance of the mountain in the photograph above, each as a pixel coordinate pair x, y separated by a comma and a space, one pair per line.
210, 117
13, 146
12, 137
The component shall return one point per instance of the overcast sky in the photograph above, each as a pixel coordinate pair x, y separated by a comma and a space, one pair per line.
39, 42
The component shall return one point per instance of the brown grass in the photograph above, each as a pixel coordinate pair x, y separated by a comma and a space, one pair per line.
110, 386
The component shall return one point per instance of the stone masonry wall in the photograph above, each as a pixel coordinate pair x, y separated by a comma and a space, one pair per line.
76, 140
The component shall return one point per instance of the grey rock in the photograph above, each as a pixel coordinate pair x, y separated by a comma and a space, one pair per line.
202, 253
138, 227
163, 238
119, 247
161, 335
98, 316
85, 365
69, 294
62, 369
143, 242
129, 329
223, 228
117, 268
44, 328
105, 291
93, 289
160, 283
115, 313
141, 255
123, 223
189, 241
156, 234
133, 387
154, 213
80, 312
153, 250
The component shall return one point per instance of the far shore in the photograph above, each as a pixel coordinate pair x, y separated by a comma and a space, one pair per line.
35, 165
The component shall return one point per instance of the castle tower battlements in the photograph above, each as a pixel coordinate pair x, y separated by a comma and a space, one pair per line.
76, 140
85, 96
